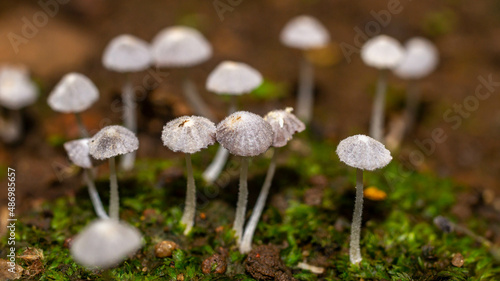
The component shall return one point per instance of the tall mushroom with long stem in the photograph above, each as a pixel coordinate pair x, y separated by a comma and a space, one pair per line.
78, 153
305, 33
189, 134
421, 59
244, 134
384, 53
73, 94
108, 143
233, 79
363, 153
16, 92
183, 47
284, 125
127, 54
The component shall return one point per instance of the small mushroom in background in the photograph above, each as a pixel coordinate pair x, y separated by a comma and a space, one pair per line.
234, 79
284, 125
127, 54
305, 33
104, 243
363, 153
421, 59
183, 47
244, 134
189, 134
75, 93
16, 92
78, 153
384, 53
108, 143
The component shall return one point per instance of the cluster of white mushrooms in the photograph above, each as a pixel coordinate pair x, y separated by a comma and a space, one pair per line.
107, 241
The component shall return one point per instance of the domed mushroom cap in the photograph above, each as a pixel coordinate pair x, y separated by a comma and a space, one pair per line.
421, 58
363, 152
127, 53
188, 134
74, 93
382, 52
112, 141
16, 88
284, 124
180, 46
104, 243
78, 152
244, 134
304, 32
233, 78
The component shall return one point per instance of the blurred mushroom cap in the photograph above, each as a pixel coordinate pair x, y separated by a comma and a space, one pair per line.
73, 94
382, 52
233, 78
188, 134
284, 124
180, 46
304, 32
421, 58
16, 88
244, 134
78, 153
112, 141
363, 152
127, 53
105, 243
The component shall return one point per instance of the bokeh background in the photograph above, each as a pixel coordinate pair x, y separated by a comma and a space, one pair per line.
467, 34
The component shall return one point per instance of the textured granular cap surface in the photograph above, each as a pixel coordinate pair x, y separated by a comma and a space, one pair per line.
188, 134
285, 124
112, 141
363, 152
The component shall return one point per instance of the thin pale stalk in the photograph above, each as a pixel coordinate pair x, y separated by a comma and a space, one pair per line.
215, 168
241, 206
377, 121
114, 200
246, 243
12, 128
412, 100
190, 206
354, 248
305, 97
195, 100
84, 133
94, 195
129, 120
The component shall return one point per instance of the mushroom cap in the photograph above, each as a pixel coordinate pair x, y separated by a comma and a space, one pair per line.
180, 46
112, 141
233, 78
284, 124
421, 58
104, 243
304, 32
78, 152
127, 53
245, 134
16, 88
363, 152
382, 52
188, 134
73, 94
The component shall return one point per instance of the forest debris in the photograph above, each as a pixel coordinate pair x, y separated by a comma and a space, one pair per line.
458, 260
311, 268
264, 263
375, 194
5, 274
165, 248
216, 263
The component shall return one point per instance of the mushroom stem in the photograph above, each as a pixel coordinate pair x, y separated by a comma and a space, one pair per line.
354, 249
194, 99
412, 100
305, 98
215, 168
241, 206
11, 129
94, 195
377, 122
129, 120
233, 104
246, 244
190, 206
84, 133
114, 203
